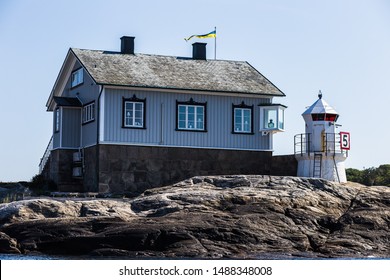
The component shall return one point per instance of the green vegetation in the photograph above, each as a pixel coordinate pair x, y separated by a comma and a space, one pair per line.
372, 176
39, 185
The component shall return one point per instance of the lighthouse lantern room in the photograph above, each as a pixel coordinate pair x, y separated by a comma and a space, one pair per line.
321, 151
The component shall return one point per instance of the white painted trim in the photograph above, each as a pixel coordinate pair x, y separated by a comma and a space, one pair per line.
174, 146
60, 125
101, 116
61, 80
241, 95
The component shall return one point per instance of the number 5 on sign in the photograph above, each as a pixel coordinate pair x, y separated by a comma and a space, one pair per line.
345, 142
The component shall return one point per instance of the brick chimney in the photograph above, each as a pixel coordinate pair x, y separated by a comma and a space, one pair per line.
127, 45
199, 51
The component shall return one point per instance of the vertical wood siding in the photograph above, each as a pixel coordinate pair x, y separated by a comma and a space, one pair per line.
161, 121
87, 92
71, 127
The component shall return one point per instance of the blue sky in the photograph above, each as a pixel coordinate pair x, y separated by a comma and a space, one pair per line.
340, 47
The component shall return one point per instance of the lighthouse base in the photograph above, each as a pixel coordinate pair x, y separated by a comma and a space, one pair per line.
319, 165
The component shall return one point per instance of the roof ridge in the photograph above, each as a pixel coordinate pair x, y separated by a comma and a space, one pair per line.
159, 55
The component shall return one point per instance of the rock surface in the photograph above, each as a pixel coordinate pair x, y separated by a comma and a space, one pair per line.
209, 217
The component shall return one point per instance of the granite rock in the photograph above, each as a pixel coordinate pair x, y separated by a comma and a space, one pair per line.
237, 216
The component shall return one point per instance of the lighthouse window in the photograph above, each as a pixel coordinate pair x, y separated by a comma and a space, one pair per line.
324, 117
331, 117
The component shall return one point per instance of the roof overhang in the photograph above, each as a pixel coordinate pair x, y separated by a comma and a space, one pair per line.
192, 91
61, 80
63, 77
67, 101
319, 107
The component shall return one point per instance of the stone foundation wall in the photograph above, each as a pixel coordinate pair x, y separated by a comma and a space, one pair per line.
284, 165
134, 168
61, 167
90, 172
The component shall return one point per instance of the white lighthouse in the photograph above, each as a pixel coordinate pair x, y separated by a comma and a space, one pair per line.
321, 150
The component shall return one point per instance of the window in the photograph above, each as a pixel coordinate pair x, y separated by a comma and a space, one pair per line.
242, 119
134, 113
77, 77
89, 113
57, 120
272, 117
191, 116
324, 117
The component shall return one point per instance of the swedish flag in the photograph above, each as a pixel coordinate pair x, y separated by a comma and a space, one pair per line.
212, 34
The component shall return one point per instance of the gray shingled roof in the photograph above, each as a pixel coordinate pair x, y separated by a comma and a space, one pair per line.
169, 72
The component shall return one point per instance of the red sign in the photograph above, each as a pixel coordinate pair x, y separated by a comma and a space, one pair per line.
345, 141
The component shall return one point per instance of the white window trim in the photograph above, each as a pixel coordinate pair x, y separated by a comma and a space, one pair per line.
134, 125
279, 121
242, 124
187, 126
57, 120
77, 77
89, 113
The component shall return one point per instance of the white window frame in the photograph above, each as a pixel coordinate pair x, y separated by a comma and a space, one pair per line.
243, 127
130, 115
57, 118
77, 77
197, 125
274, 113
89, 113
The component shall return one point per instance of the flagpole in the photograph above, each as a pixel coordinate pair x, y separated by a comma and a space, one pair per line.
215, 43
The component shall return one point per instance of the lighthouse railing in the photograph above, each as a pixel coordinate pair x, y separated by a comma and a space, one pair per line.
330, 144
302, 143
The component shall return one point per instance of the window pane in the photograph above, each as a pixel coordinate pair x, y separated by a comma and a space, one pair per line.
199, 121
182, 109
73, 83
57, 128
129, 106
281, 119
77, 77
191, 117
129, 118
247, 120
191, 110
237, 119
182, 117
270, 118
80, 76
182, 124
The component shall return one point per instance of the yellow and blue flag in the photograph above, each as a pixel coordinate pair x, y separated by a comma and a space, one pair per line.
212, 34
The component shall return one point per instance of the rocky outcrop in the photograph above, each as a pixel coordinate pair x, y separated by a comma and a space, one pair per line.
209, 217
12, 191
